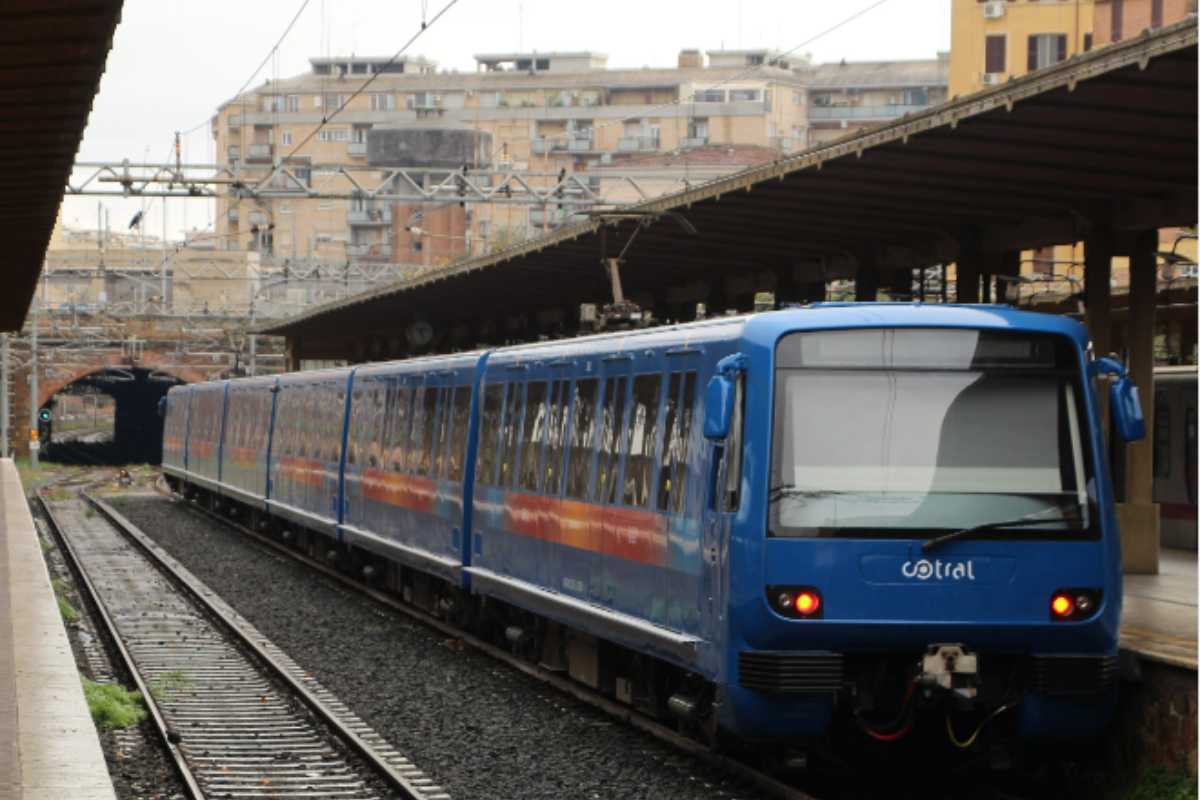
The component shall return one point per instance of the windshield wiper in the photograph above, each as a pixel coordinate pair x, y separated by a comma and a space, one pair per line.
1036, 518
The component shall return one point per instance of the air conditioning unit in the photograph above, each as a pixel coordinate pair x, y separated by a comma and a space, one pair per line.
993, 9
990, 78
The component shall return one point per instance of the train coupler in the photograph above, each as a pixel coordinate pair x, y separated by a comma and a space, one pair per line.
952, 668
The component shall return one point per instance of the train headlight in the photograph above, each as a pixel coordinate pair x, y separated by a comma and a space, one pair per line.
796, 602
1072, 605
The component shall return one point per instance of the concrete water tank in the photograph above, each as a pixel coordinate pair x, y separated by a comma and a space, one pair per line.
429, 146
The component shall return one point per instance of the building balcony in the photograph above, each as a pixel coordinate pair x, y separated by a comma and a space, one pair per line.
260, 152
694, 141
372, 252
863, 113
357, 149
580, 144
369, 216
235, 121
632, 144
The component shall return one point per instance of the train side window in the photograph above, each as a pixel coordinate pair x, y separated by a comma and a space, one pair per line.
666, 468
583, 437
398, 440
459, 425
443, 432
532, 435
731, 499
640, 439
489, 432
1162, 435
556, 436
687, 408
508, 434
357, 423
610, 438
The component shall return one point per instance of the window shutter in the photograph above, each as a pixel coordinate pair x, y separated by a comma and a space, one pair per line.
1062, 47
1033, 63
1117, 19
1156, 13
994, 54
1087, 42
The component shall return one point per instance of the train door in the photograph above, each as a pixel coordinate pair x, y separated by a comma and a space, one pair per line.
722, 501
606, 525
677, 495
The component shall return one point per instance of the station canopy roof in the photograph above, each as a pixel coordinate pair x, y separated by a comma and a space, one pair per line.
1106, 138
52, 54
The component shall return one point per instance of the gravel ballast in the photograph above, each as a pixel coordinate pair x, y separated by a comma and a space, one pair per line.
478, 727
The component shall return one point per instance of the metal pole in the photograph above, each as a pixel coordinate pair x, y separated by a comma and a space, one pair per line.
4, 395
34, 444
163, 289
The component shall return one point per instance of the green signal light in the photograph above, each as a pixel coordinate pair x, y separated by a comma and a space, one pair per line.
44, 415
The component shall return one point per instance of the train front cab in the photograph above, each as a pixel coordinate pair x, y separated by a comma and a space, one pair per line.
872, 432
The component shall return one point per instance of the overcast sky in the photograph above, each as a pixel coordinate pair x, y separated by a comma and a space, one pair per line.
173, 61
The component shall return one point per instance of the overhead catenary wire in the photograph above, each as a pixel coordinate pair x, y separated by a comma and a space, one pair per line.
326, 118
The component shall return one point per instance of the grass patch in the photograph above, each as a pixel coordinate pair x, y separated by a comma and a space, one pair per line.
169, 682
1157, 783
113, 707
68, 612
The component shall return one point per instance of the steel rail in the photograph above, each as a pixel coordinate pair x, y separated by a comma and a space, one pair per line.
412, 786
75, 564
642, 722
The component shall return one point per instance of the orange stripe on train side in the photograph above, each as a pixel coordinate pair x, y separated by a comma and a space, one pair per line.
626, 533
404, 491
307, 471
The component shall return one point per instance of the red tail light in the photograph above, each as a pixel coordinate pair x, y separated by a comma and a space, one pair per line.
796, 602
1073, 605
808, 603
1062, 605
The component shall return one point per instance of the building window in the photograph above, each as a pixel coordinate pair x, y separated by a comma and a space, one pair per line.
743, 95
1156, 13
285, 207
272, 103
994, 56
916, 97
698, 129
287, 138
542, 64
798, 98
383, 102
1043, 261
334, 135
1118, 14
1046, 49
1087, 42
710, 96
293, 102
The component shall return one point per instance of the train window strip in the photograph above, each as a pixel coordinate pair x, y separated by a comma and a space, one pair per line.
683, 445
489, 432
666, 474
509, 428
641, 439
581, 451
555, 445
460, 424
443, 435
532, 436
609, 462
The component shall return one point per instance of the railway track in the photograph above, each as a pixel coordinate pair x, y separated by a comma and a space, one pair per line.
745, 773
239, 718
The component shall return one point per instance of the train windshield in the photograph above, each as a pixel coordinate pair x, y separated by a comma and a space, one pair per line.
914, 432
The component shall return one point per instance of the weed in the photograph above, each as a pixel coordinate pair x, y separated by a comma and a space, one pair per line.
68, 612
174, 681
113, 707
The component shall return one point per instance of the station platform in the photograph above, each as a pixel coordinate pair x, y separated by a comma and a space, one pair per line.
1158, 621
48, 745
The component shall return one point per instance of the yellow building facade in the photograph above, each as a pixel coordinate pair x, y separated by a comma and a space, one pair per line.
995, 40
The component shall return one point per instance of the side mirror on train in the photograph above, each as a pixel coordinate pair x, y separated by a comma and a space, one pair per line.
1123, 400
1127, 410
718, 408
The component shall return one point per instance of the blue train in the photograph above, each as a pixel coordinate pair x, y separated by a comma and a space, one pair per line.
845, 517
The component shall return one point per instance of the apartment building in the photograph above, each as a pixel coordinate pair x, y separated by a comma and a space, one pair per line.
1120, 19
846, 97
538, 113
993, 40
